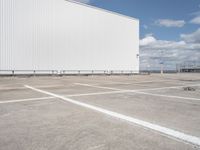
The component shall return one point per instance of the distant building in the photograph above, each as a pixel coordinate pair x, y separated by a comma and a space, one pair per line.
189, 67
59, 36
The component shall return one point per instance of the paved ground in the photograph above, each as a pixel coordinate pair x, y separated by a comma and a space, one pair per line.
100, 113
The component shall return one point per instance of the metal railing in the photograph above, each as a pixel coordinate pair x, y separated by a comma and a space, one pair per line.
69, 72
28, 72
98, 72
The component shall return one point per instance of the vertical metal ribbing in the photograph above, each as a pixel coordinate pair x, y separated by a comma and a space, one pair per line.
13, 26
6, 33
60, 35
4, 50
1, 32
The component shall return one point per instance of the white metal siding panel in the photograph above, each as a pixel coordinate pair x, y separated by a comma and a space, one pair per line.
61, 35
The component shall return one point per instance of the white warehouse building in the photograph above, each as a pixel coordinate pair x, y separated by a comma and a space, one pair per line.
45, 36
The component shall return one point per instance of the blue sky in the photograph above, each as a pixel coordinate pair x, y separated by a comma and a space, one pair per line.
169, 29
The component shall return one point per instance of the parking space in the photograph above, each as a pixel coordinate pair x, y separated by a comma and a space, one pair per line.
56, 125
179, 92
74, 89
172, 114
15, 94
100, 112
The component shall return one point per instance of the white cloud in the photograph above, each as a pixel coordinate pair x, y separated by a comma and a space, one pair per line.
153, 51
147, 40
196, 20
192, 38
170, 23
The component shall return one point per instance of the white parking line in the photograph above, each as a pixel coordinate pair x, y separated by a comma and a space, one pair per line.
137, 91
169, 96
162, 130
129, 83
97, 93
48, 86
142, 93
96, 86
39, 86
25, 100
172, 87
149, 89
11, 88
9, 84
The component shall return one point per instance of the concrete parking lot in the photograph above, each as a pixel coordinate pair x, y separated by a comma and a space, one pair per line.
100, 112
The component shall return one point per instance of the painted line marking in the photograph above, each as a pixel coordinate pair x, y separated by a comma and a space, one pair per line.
169, 96
172, 87
9, 84
103, 93
151, 89
162, 130
25, 100
135, 91
97, 93
96, 86
129, 83
47, 86
11, 88
143, 93
42, 86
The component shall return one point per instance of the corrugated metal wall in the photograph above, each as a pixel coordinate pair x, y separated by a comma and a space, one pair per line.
61, 35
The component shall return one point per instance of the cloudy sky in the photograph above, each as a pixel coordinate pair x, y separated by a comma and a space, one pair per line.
169, 29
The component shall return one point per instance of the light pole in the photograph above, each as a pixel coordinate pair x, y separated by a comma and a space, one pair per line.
161, 63
161, 68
